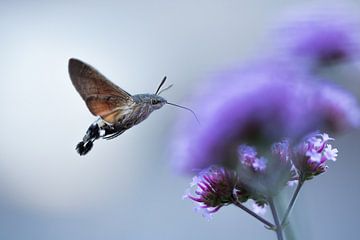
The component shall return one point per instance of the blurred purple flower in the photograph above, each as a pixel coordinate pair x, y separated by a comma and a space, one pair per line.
320, 35
339, 109
258, 106
265, 176
248, 158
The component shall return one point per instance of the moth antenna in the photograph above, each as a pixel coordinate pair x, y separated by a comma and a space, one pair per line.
162, 83
168, 87
179, 106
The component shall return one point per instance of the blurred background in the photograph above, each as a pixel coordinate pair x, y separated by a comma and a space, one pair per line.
126, 188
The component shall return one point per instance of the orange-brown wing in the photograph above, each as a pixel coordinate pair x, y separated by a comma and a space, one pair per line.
108, 108
102, 97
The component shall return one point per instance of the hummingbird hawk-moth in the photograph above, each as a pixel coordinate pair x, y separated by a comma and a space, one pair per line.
117, 109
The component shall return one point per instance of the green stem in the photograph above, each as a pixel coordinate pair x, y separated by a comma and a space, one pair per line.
263, 220
278, 227
292, 202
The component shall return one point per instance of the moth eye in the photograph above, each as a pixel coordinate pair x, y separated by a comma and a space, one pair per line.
153, 101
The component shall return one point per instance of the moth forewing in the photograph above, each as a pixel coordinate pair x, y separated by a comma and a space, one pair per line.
88, 81
101, 96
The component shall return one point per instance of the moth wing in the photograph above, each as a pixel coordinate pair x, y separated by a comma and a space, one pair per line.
102, 97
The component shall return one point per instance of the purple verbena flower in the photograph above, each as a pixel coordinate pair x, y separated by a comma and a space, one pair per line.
215, 187
310, 156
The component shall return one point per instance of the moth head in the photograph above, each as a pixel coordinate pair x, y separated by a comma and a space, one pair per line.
157, 102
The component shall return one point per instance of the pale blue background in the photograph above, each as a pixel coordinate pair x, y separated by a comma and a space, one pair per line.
125, 188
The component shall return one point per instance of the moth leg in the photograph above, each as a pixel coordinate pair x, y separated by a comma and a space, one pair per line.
112, 131
113, 135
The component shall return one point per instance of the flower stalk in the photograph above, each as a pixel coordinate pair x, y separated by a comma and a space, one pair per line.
292, 202
278, 227
261, 219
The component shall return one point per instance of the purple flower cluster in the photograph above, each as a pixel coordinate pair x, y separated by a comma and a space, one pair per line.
258, 177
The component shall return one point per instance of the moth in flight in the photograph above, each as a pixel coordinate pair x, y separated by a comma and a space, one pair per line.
117, 109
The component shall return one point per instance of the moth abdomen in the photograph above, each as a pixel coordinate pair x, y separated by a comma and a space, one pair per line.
92, 133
